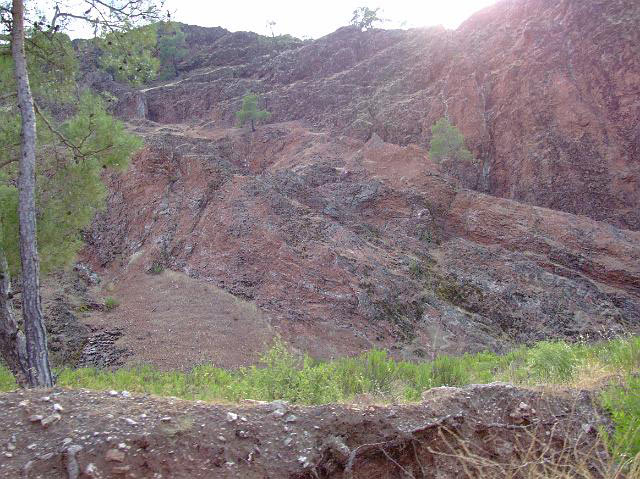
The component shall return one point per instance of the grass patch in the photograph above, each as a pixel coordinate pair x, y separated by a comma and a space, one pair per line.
7, 383
281, 374
304, 380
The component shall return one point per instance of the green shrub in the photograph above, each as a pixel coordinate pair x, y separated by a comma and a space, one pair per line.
623, 403
315, 384
553, 362
111, 303
622, 353
447, 142
7, 383
156, 268
448, 371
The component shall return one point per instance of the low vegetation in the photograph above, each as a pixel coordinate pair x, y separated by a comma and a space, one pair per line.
111, 303
283, 375
447, 142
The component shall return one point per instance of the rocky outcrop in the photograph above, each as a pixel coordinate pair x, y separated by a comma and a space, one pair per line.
347, 245
546, 94
334, 221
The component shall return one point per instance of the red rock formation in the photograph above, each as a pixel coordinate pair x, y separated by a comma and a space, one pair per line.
346, 245
337, 224
546, 93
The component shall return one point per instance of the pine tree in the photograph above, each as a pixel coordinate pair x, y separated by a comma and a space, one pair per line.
171, 49
53, 162
129, 56
250, 112
447, 142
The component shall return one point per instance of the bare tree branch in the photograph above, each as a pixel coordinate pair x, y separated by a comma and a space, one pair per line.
131, 11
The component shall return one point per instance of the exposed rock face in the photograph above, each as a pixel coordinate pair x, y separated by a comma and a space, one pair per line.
339, 227
348, 245
546, 93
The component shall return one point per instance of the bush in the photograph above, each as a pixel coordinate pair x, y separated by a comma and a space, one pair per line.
552, 362
7, 382
281, 374
447, 142
623, 403
156, 268
623, 353
447, 371
111, 303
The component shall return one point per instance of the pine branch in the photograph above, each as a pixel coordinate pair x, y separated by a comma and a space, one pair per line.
56, 132
75, 148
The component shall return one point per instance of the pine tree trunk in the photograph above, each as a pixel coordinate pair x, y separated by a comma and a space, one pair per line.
12, 342
253, 126
39, 373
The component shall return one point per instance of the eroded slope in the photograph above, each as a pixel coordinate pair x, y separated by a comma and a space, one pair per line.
546, 93
345, 245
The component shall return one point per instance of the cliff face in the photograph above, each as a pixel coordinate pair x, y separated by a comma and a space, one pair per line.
335, 223
345, 245
546, 94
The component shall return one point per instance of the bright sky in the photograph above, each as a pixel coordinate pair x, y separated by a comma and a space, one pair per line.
318, 18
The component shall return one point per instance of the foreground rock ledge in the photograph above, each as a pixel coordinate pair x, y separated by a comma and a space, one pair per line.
118, 434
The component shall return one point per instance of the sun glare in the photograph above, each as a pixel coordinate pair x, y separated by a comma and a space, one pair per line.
315, 19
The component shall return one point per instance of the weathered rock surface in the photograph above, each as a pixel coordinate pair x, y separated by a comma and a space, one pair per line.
546, 93
67, 300
347, 245
333, 221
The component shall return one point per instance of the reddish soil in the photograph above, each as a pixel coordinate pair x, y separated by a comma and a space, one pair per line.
98, 435
175, 322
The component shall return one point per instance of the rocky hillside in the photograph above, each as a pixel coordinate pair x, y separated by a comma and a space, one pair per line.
336, 228
546, 93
